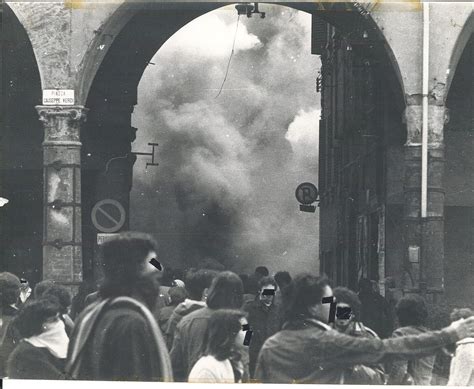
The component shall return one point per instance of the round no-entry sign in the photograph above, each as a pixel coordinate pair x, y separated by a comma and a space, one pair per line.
108, 215
306, 193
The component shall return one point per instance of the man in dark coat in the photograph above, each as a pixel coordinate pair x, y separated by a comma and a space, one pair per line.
263, 318
117, 337
307, 350
226, 291
375, 310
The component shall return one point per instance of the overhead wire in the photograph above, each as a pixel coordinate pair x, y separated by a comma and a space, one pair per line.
230, 57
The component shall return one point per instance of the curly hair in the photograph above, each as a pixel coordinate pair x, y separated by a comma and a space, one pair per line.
41, 287
461, 313
9, 289
219, 338
30, 319
62, 295
411, 311
345, 295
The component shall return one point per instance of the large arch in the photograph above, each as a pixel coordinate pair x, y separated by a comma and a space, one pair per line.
346, 16
111, 75
21, 159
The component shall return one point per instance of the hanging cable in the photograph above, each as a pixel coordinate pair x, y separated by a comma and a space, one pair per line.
230, 57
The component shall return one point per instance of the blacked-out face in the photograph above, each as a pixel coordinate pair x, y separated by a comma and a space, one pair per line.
343, 316
267, 294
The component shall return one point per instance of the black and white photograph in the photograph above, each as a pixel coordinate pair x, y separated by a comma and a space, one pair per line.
211, 192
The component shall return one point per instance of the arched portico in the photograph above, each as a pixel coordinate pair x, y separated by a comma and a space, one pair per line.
83, 39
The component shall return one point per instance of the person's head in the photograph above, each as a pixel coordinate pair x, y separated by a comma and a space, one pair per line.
9, 289
245, 282
411, 311
41, 287
177, 295
62, 295
37, 316
265, 286
198, 281
461, 313
303, 298
282, 279
223, 333
127, 271
261, 271
226, 291
365, 287
345, 299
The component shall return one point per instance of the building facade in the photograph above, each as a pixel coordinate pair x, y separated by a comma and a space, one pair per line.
54, 157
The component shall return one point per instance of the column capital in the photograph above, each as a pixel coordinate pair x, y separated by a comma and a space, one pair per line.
62, 124
438, 116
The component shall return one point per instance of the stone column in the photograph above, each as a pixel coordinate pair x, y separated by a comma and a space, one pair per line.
424, 238
62, 236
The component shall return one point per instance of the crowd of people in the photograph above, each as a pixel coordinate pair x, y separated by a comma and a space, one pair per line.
214, 326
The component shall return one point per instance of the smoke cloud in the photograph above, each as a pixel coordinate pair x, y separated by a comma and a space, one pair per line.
229, 165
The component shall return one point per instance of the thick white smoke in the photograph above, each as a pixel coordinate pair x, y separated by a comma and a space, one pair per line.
229, 165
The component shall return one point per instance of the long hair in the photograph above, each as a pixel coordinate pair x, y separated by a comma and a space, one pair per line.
122, 262
304, 291
226, 291
219, 338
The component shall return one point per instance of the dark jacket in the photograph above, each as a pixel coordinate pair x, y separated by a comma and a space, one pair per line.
264, 322
308, 351
420, 369
9, 337
375, 312
35, 363
117, 339
188, 342
185, 308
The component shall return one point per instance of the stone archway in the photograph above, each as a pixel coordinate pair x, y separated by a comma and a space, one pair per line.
106, 171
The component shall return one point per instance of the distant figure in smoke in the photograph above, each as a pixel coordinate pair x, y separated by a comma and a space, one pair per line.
412, 314
221, 343
117, 338
307, 350
9, 294
250, 287
177, 295
462, 364
261, 271
41, 353
283, 279
25, 292
375, 310
197, 284
351, 325
226, 292
263, 317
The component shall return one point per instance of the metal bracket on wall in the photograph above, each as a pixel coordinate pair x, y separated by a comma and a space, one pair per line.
59, 243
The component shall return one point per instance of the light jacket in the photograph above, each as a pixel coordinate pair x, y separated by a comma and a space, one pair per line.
307, 351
